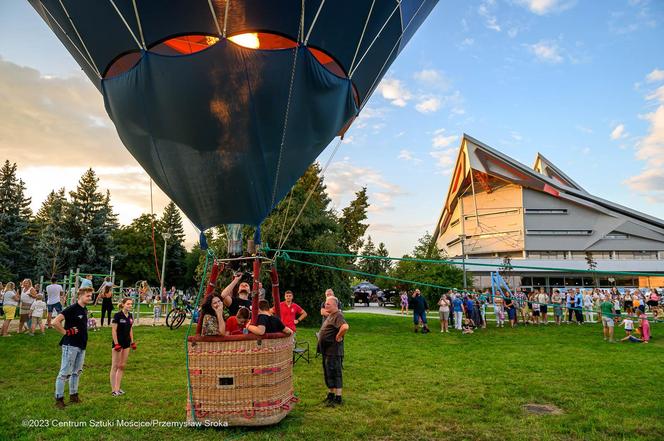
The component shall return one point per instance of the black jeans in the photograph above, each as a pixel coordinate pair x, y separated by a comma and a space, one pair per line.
106, 307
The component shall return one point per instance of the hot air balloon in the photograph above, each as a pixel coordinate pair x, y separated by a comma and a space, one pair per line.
225, 103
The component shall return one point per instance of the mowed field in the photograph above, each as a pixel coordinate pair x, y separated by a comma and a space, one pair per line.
398, 386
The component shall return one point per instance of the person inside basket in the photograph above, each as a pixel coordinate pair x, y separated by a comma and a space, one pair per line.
267, 323
236, 324
213, 316
233, 303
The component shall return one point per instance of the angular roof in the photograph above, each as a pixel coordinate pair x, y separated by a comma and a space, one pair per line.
477, 161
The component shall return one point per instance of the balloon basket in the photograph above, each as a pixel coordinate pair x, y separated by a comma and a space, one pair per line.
243, 380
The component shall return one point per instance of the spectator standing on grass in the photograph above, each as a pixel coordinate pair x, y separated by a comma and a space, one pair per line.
543, 300
123, 339
457, 308
444, 312
469, 307
106, 297
578, 307
588, 306
54, 299
328, 293
37, 313
511, 309
72, 323
28, 295
404, 302
10, 299
291, 312
535, 307
645, 328
569, 304
420, 307
156, 310
557, 301
499, 310
608, 313
331, 346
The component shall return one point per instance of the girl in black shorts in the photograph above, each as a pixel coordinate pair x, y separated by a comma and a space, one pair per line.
123, 339
106, 303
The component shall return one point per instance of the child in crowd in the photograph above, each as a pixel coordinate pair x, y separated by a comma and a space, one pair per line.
628, 324
467, 326
92, 323
157, 310
645, 328
37, 312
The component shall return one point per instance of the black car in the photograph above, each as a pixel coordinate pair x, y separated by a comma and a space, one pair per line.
362, 296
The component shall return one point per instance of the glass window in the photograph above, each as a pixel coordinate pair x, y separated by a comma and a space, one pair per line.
574, 281
539, 281
588, 281
526, 281
556, 281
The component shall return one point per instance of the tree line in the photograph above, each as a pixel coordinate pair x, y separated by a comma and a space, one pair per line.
79, 229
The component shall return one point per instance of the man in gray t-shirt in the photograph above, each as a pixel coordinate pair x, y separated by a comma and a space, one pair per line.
331, 346
54, 293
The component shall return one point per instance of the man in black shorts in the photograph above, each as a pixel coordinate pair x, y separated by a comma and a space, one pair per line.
73, 342
331, 345
266, 323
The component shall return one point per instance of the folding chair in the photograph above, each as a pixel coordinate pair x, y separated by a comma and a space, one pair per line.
301, 351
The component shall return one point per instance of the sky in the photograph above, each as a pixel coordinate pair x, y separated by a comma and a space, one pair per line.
582, 82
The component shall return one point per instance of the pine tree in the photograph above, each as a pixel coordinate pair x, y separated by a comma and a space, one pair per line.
15, 223
385, 265
50, 225
90, 226
176, 265
135, 258
369, 265
352, 228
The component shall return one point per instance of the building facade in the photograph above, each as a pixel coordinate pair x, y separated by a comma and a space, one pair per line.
502, 214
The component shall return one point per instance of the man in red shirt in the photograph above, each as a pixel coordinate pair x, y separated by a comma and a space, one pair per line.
291, 313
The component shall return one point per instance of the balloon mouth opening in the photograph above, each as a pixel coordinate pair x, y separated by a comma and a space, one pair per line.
191, 44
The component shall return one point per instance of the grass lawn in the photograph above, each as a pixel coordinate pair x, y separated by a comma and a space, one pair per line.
399, 385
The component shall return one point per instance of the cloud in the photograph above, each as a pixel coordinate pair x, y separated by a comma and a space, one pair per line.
650, 149
408, 156
618, 132
584, 129
485, 10
546, 51
343, 179
394, 91
467, 42
55, 121
543, 7
655, 75
432, 78
440, 141
428, 105
657, 95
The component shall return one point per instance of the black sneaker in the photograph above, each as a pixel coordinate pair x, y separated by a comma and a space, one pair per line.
338, 401
329, 398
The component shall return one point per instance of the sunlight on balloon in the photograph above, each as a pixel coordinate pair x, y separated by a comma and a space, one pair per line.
249, 40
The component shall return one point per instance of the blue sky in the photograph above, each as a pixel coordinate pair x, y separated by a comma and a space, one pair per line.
580, 81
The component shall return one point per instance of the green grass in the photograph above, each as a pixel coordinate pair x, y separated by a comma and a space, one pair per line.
398, 385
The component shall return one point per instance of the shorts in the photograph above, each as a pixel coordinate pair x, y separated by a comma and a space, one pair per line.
628, 304
652, 303
36, 320
56, 306
543, 309
607, 321
536, 313
417, 316
10, 312
444, 315
332, 371
558, 311
124, 343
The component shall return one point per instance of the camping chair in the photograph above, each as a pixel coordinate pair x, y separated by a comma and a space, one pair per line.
301, 351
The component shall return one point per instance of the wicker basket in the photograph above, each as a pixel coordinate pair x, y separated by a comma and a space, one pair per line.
243, 380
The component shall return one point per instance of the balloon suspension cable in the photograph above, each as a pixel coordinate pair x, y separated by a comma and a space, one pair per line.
154, 243
286, 114
311, 192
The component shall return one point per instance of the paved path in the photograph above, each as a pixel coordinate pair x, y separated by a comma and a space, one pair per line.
374, 308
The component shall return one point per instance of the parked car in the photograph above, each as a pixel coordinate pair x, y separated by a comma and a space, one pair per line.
389, 297
361, 296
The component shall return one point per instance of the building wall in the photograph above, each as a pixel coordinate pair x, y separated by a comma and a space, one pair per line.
496, 227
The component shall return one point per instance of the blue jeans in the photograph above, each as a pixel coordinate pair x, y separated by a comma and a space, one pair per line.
71, 367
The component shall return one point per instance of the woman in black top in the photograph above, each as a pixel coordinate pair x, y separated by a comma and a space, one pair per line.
106, 303
123, 339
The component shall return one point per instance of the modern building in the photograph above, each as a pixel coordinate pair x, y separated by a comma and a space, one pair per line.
499, 212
